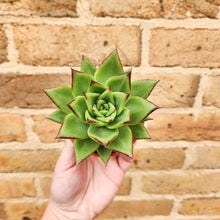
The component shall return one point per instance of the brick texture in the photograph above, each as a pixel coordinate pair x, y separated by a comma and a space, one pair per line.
56, 8
25, 91
132, 208
173, 127
17, 187
153, 9
184, 47
46, 129
170, 91
158, 159
12, 128
181, 184
207, 158
92, 41
211, 96
23, 210
28, 160
200, 206
3, 46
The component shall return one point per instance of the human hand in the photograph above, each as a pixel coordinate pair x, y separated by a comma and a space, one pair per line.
83, 191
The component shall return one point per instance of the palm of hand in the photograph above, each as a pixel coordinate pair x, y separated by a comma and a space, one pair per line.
89, 187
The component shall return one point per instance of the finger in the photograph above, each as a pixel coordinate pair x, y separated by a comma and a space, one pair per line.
67, 157
124, 162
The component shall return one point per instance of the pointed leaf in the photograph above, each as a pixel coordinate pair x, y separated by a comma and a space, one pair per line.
123, 143
73, 128
91, 99
120, 101
110, 67
107, 96
108, 119
87, 67
146, 119
120, 83
104, 153
139, 108
83, 148
102, 135
121, 119
79, 107
80, 82
97, 87
142, 88
139, 132
57, 116
61, 96
92, 121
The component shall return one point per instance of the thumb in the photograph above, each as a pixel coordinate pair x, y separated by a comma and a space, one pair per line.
124, 162
67, 158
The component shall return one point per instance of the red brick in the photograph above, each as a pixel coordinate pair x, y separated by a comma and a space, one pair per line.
184, 47
185, 183
211, 96
158, 159
3, 46
170, 91
25, 91
135, 208
153, 9
58, 8
46, 129
13, 187
173, 127
206, 158
28, 160
200, 206
51, 45
12, 128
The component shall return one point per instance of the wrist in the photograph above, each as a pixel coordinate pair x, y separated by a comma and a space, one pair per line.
54, 212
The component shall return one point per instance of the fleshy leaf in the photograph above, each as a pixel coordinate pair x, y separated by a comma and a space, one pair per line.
139, 132
120, 83
142, 88
146, 119
73, 128
104, 153
83, 148
107, 96
123, 143
79, 107
120, 100
87, 67
96, 87
102, 135
92, 121
91, 99
80, 82
110, 118
110, 67
61, 96
139, 108
57, 116
121, 119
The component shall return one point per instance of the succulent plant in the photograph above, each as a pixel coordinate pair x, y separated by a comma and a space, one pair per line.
102, 111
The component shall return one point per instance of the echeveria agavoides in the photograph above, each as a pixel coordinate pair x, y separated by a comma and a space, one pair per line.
103, 110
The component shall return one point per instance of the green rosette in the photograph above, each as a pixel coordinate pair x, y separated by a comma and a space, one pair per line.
102, 110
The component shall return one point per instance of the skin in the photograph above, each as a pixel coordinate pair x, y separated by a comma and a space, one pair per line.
83, 191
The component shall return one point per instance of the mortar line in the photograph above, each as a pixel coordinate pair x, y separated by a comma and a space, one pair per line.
12, 52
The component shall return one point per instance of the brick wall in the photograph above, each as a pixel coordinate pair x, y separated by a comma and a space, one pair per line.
176, 175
